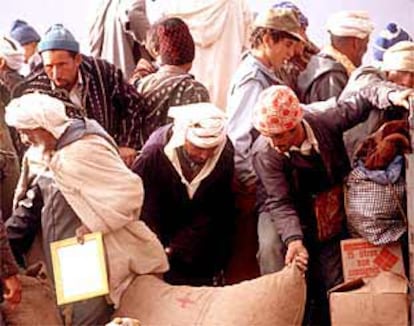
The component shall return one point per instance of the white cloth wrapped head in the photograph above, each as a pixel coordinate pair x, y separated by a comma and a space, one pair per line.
399, 57
350, 23
202, 124
36, 110
12, 52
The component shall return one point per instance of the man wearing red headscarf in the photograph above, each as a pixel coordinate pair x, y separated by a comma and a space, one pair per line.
300, 161
172, 84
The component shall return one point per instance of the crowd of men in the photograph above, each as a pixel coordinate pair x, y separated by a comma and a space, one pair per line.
200, 189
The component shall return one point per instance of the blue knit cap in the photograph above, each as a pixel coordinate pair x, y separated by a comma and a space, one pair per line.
57, 37
391, 35
303, 20
23, 33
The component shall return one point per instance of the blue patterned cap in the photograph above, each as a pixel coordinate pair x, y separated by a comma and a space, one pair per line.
391, 35
303, 20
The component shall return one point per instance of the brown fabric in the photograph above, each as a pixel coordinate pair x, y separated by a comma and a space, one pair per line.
381, 147
38, 306
329, 212
175, 41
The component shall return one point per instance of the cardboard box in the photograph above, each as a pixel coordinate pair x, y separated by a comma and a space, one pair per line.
382, 300
363, 259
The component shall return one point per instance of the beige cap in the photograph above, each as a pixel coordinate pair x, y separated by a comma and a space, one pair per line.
399, 57
281, 19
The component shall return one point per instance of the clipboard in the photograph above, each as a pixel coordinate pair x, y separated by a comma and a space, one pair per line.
79, 270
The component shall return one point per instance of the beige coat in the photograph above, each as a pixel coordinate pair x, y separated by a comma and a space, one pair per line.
108, 197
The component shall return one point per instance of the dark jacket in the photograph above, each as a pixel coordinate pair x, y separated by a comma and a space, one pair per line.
360, 78
322, 79
107, 98
286, 185
8, 265
198, 230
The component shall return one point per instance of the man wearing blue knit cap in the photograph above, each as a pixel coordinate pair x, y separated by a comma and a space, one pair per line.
28, 38
390, 35
89, 87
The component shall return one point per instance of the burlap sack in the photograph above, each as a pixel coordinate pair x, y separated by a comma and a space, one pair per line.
274, 299
38, 305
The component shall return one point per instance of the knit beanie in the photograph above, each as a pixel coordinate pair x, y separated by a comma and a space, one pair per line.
23, 33
392, 34
176, 45
57, 37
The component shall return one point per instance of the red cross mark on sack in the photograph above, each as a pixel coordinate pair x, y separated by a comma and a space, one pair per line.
385, 259
184, 301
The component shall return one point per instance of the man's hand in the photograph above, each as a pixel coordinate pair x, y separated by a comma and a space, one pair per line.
81, 232
401, 98
297, 253
128, 155
12, 290
142, 69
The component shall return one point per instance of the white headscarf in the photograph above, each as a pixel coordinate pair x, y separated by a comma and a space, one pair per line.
350, 23
12, 52
202, 124
399, 57
36, 110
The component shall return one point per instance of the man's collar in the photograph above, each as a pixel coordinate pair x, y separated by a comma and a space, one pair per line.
310, 142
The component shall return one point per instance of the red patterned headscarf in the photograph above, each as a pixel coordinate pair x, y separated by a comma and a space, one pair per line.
176, 45
277, 110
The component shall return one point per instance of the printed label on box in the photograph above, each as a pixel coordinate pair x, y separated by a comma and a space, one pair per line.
363, 259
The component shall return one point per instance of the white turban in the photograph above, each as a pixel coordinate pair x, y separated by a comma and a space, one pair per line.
202, 124
12, 52
350, 23
399, 57
37, 110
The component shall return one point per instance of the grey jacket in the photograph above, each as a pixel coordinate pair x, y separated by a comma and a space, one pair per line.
322, 79
250, 79
286, 184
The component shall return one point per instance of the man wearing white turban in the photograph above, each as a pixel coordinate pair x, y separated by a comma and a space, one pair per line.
11, 59
328, 71
11, 53
85, 187
187, 170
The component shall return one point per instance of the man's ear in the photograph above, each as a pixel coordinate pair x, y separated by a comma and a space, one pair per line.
267, 38
3, 63
78, 59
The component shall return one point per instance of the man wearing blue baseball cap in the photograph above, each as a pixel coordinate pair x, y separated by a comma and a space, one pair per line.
89, 87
